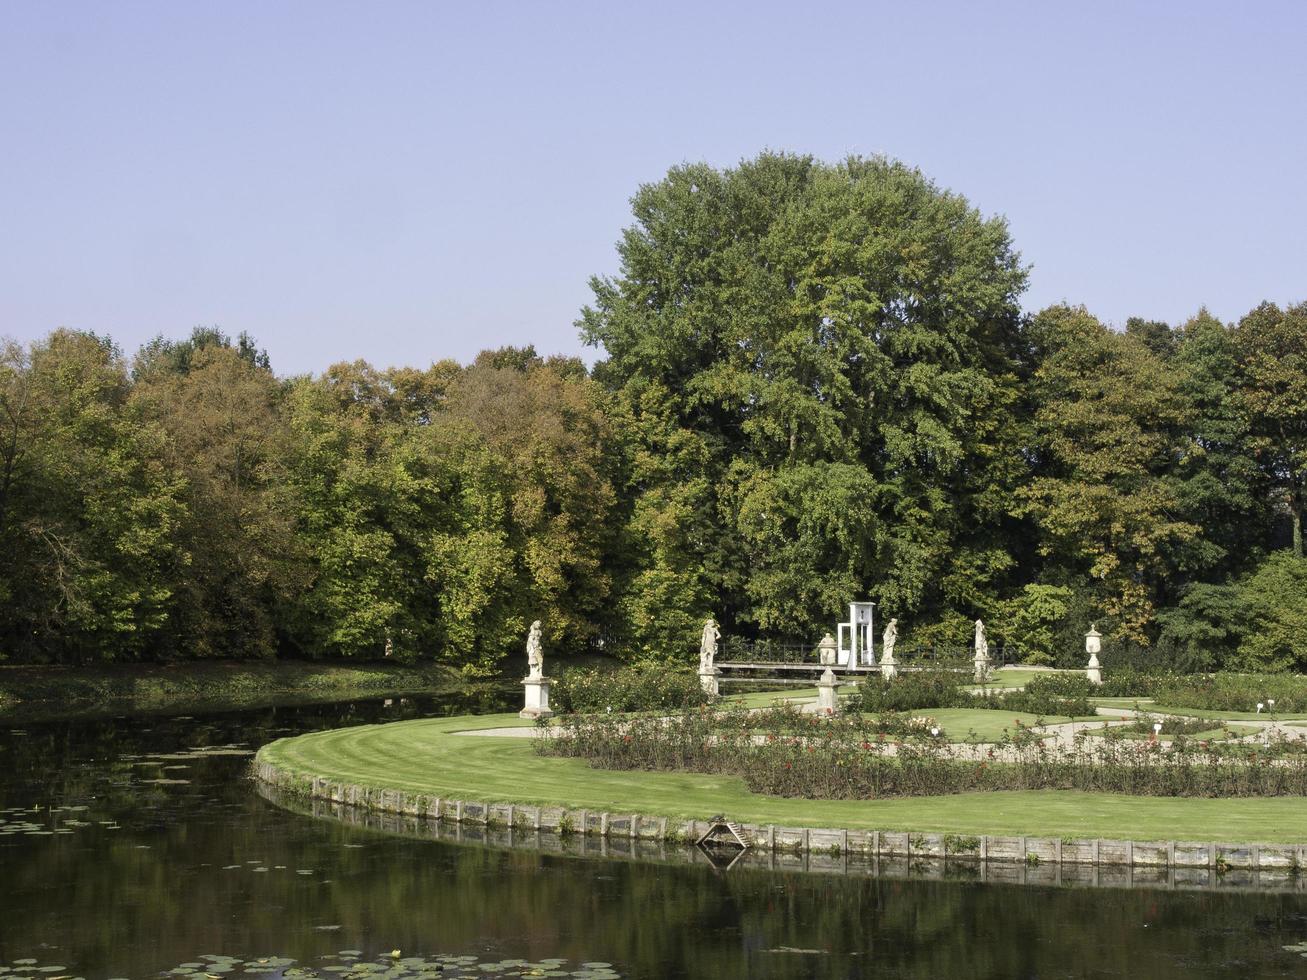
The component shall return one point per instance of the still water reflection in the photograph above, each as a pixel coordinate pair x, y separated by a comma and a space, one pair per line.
132, 846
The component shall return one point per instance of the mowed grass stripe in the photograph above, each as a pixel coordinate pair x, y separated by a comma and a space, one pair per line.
426, 756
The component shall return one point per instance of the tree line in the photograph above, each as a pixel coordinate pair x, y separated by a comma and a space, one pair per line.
815, 384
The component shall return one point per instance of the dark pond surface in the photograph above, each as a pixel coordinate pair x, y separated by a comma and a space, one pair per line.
135, 847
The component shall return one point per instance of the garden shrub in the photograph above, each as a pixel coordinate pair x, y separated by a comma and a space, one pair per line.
1171, 725
1169, 655
1129, 683
1047, 694
909, 691
590, 689
1054, 694
1233, 692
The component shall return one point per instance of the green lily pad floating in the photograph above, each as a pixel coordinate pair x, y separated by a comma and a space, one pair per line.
384, 966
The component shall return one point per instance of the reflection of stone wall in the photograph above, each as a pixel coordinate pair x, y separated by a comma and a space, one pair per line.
590, 832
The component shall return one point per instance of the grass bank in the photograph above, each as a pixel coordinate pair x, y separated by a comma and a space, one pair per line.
437, 757
46, 691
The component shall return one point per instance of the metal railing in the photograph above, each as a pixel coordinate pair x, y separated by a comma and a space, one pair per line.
739, 653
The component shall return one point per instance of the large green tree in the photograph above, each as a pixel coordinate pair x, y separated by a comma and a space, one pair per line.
1273, 347
1220, 486
88, 507
827, 359
445, 510
242, 560
1109, 425
537, 451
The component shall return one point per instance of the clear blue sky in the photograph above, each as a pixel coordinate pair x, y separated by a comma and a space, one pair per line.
408, 181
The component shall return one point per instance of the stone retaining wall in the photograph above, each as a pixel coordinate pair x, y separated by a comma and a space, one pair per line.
647, 850
770, 838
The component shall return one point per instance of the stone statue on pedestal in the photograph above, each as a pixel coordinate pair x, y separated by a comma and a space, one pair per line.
708, 645
535, 655
887, 641
536, 684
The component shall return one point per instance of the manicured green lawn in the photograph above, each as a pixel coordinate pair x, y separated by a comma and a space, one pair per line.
427, 756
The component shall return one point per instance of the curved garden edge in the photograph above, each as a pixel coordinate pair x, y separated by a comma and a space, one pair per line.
424, 768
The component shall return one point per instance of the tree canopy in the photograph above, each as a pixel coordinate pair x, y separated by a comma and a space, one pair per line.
814, 383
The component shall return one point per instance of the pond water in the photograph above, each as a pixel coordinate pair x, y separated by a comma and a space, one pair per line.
138, 847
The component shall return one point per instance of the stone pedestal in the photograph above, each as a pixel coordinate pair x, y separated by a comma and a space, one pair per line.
1094, 670
537, 698
708, 680
889, 666
982, 670
827, 702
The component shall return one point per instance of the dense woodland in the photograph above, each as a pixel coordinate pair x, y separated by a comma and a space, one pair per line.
816, 383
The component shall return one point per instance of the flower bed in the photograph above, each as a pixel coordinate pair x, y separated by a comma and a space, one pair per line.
782, 753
